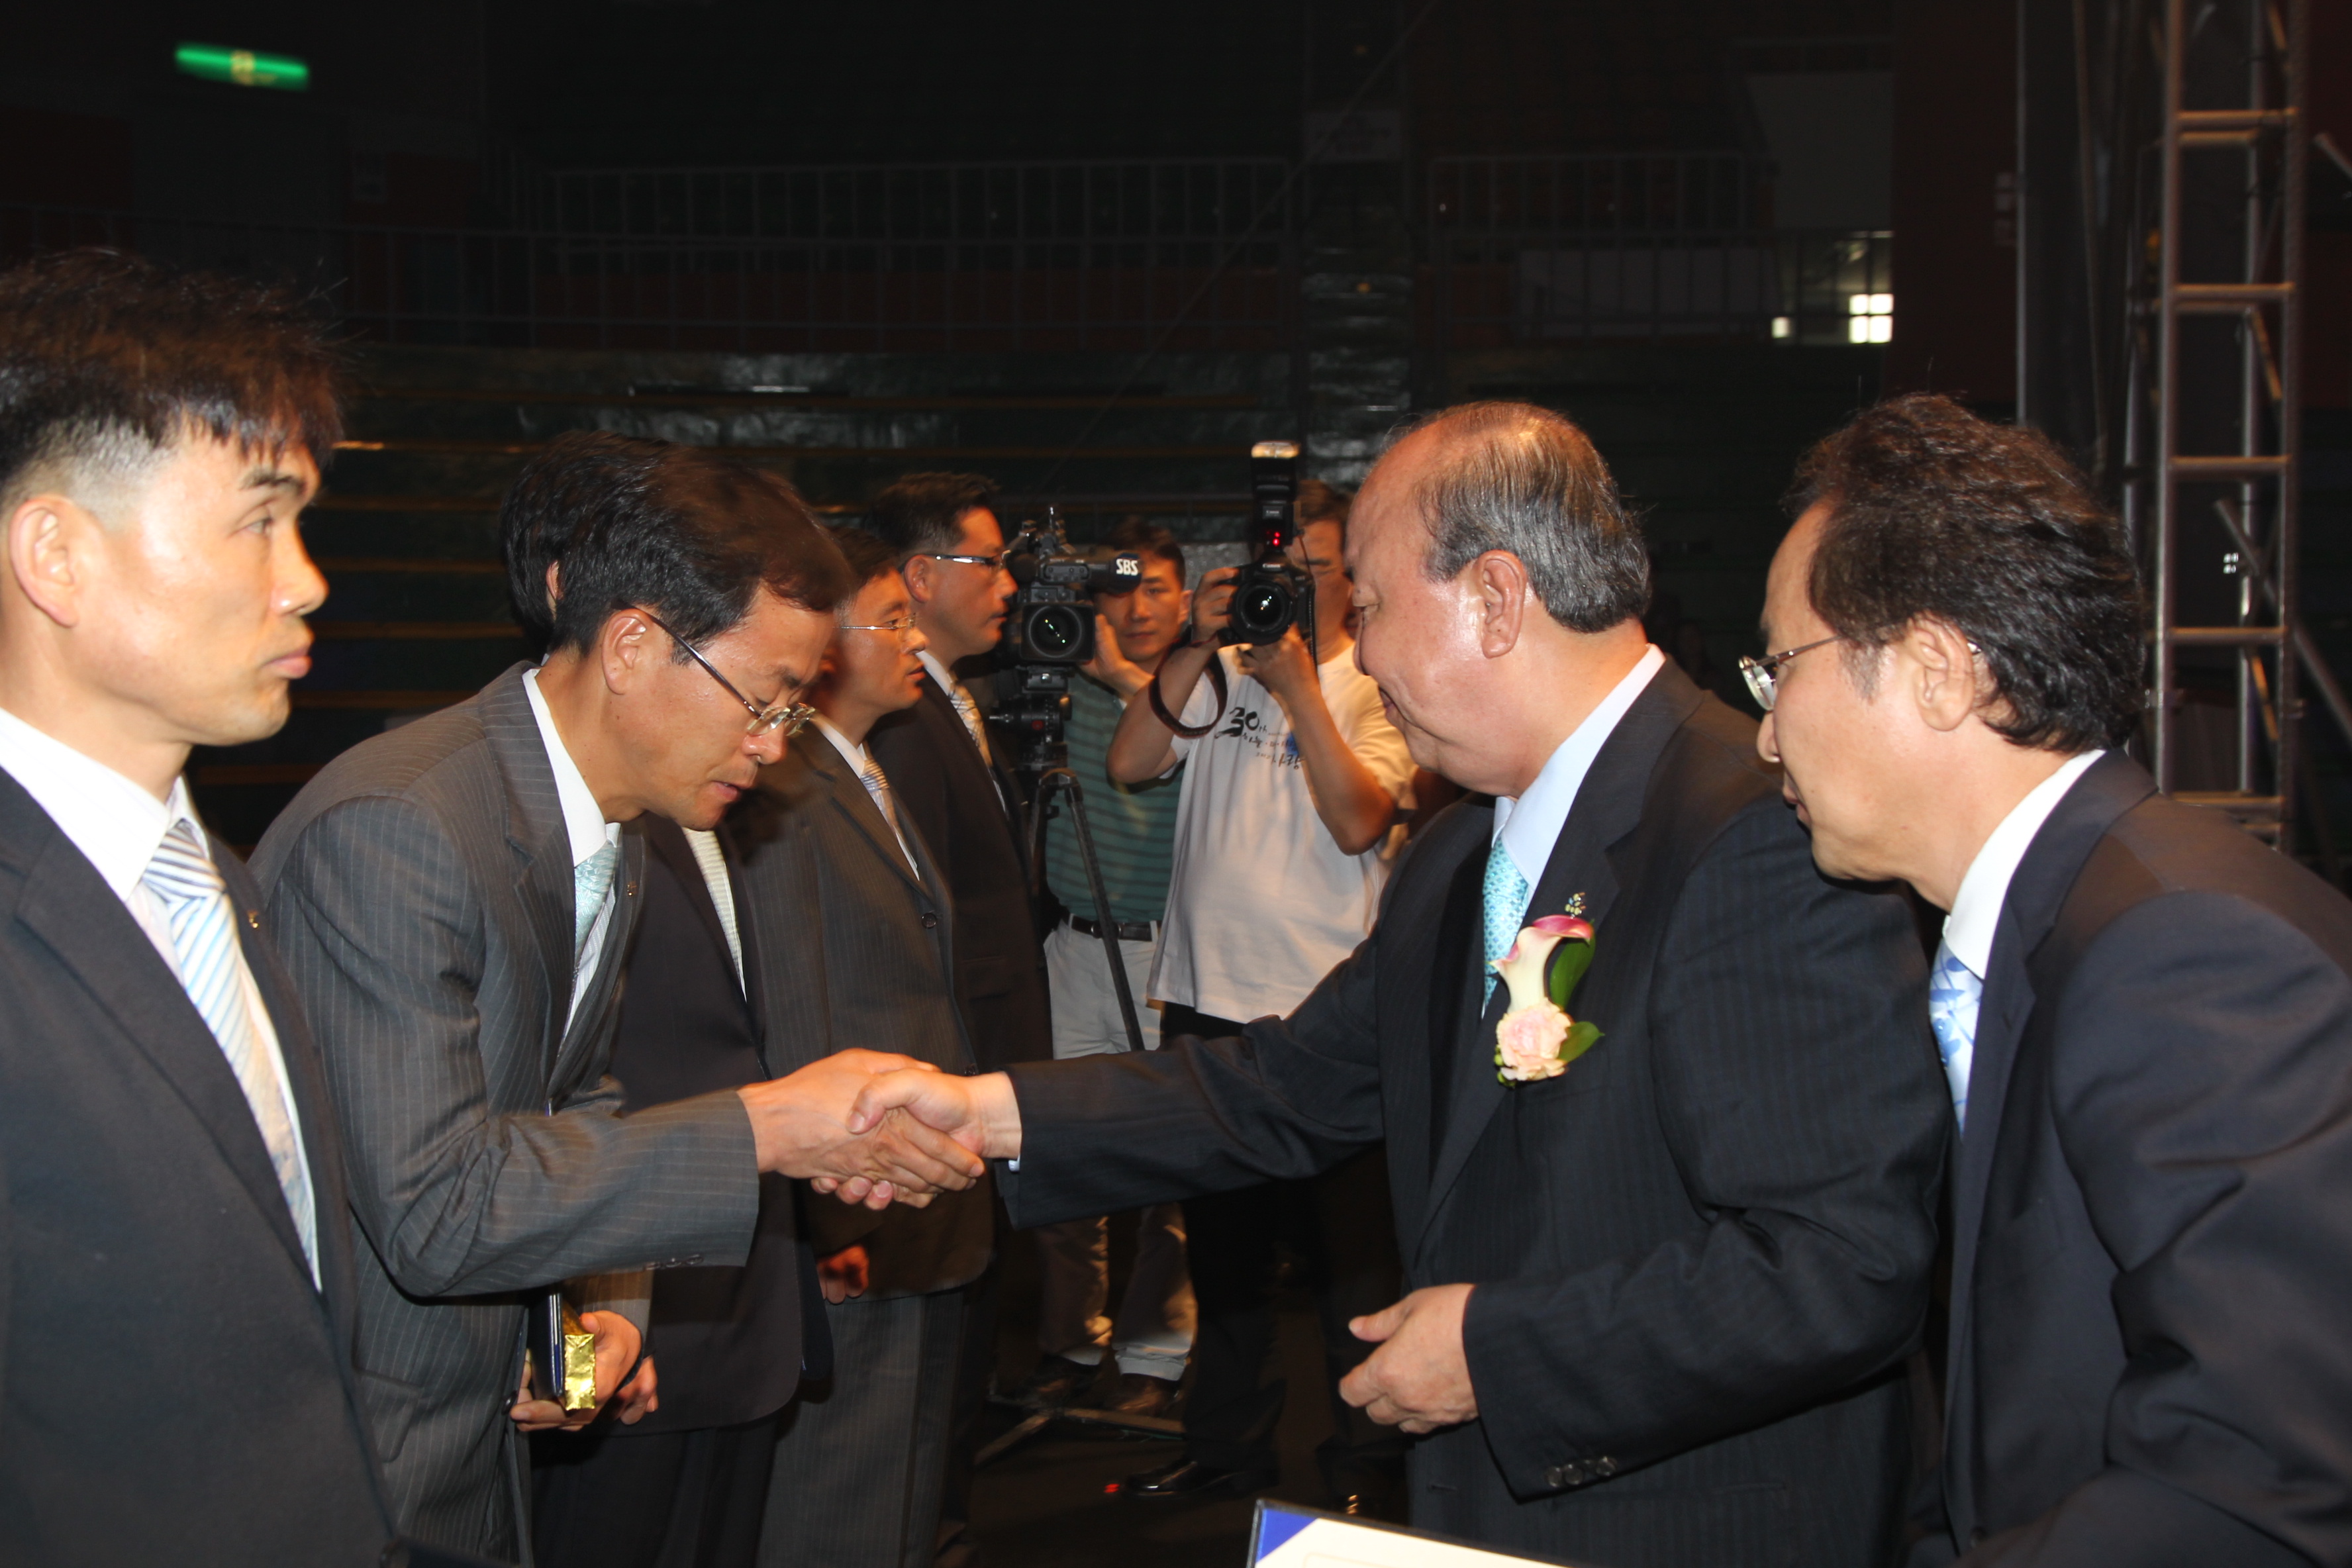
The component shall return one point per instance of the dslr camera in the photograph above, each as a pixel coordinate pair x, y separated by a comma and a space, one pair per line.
1270, 595
1049, 631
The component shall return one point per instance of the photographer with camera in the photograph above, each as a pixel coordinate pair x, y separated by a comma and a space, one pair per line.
1294, 780
1133, 829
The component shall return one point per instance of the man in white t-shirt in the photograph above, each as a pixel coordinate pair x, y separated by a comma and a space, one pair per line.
1294, 782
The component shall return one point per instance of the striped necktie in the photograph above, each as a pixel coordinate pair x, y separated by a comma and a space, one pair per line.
969, 711
212, 970
1506, 898
877, 784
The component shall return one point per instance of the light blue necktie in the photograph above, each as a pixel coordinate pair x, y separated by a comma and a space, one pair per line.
1506, 900
592, 880
1954, 992
204, 934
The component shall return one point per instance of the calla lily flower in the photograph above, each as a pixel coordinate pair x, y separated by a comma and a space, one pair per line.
1536, 1038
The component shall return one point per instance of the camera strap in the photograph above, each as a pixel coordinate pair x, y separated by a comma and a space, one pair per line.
1216, 684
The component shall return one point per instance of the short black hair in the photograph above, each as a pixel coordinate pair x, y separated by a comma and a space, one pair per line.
925, 512
1151, 542
866, 556
1935, 513
687, 533
1319, 503
1516, 477
107, 359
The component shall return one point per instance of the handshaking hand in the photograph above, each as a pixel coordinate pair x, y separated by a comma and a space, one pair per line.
804, 1125
977, 1116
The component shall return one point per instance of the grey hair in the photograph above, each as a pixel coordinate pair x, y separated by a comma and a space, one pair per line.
1525, 480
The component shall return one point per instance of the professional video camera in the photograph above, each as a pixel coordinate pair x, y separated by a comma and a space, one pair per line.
1270, 595
1049, 631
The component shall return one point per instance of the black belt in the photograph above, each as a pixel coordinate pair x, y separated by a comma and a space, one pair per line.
1126, 930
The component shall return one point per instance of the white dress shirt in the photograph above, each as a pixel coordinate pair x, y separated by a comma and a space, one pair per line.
1529, 827
584, 824
118, 826
1968, 930
859, 757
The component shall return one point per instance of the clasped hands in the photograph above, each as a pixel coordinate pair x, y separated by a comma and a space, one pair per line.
1417, 1377
802, 1126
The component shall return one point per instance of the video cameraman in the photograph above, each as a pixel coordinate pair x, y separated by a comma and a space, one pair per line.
1133, 827
1290, 793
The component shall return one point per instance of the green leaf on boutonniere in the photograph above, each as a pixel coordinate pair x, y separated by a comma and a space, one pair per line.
1581, 1038
1569, 962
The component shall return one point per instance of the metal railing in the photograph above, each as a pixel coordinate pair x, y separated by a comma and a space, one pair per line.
1110, 268
1668, 245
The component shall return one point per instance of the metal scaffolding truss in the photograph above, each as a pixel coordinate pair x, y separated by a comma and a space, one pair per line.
2212, 428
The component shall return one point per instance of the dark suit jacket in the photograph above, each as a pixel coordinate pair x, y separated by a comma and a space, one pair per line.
727, 1339
953, 799
859, 952
420, 889
173, 1386
1700, 1254
2150, 1355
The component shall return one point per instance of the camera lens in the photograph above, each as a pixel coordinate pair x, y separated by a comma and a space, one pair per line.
1263, 607
1056, 631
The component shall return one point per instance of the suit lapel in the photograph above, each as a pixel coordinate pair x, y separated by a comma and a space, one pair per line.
540, 844
2037, 892
845, 793
1607, 807
999, 779
66, 906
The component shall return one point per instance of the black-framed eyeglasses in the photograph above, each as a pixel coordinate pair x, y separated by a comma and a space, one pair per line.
904, 625
791, 718
1762, 674
993, 562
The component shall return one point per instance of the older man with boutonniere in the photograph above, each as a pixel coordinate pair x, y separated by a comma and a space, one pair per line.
1664, 1121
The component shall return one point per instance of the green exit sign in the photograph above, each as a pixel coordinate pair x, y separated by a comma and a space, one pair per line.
246, 68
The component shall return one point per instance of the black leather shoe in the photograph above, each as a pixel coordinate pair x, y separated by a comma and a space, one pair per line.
1140, 1393
1056, 1381
1188, 1477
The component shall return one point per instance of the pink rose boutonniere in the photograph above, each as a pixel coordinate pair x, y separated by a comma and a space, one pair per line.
1537, 1039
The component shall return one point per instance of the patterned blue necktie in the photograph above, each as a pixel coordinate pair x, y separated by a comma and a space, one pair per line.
1506, 900
592, 881
204, 934
1953, 993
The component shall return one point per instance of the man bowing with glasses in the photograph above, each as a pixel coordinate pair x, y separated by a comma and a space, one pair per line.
455, 901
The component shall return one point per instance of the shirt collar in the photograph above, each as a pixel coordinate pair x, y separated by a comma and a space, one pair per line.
940, 672
113, 821
852, 752
1976, 909
583, 819
1529, 827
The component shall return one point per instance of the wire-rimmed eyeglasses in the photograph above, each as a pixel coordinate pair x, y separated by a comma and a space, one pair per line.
904, 625
791, 718
1761, 674
993, 562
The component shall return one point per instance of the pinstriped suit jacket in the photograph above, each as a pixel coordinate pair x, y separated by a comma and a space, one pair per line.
420, 889
172, 1389
857, 950
1701, 1254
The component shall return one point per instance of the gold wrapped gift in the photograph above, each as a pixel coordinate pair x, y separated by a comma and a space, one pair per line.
576, 1390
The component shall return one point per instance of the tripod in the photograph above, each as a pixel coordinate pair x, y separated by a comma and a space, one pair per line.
1055, 776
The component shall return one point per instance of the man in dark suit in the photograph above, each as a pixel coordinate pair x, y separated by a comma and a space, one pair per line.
687, 1483
964, 800
2146, 1016
944, 769
865, 953
454, 898
175, 1265
1662, 1292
